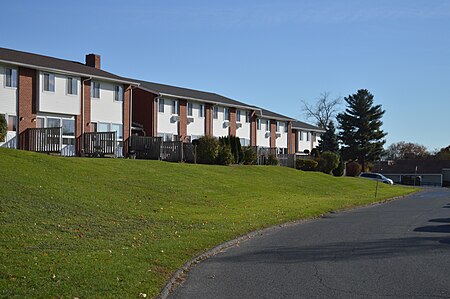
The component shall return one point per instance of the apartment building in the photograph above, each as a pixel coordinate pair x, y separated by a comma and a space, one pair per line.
176, 113
38, 91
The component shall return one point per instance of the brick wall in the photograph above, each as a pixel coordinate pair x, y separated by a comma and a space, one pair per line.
273, 132
232, 131
253, 129
144, 109
26, 103
126, 116
291, 140
182, 123
208, 122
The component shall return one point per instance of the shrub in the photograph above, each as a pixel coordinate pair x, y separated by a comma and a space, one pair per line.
272, 160
3, 127
315, 153
353, 169
339, 171
306, 165
328, 161
249, 155
224, 155
235, 145
207, 150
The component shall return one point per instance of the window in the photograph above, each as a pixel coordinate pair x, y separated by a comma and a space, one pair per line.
202, 110
244, 141
216, 112
118, 128
49, 82
103, 127
72, 86
161, 105
118, 93
238, 116
189, 109
93, 127
168, 137
247, 116
300, 133
278, 126
68, 127
268, 125
258, 124
95, 90
39, 122
174, 107
53, 122
307, 136
226, 111
12, 123
11, 78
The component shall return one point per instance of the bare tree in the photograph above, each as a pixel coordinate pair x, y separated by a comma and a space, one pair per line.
324, 110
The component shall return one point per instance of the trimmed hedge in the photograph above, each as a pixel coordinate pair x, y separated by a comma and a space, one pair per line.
249, 156
306, 165
328, 161
353, 169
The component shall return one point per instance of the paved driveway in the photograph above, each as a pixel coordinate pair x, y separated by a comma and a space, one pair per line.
400, 249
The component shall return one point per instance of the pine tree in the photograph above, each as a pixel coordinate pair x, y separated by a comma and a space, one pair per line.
329, 141
360, 125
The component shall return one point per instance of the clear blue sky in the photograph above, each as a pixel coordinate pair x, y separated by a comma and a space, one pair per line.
267, 53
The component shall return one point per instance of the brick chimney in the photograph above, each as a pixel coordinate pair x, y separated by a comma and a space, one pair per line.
93, 60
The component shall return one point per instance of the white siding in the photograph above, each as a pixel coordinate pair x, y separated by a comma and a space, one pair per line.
197, 126
317, 138
263, 135
105, 109
282, 135
219, 126
8, 95
59, 101
303, 144
244, 130
166, 120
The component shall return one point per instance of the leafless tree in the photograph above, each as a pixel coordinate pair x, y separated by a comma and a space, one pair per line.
323, 110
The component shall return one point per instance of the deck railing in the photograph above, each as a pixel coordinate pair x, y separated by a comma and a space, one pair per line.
43, 140
99, 144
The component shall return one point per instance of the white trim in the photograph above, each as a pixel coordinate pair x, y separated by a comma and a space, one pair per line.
58, 71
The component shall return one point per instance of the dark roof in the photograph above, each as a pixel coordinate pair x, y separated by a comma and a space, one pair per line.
191, 93
301, 125
46, 62
270, 114
409, 166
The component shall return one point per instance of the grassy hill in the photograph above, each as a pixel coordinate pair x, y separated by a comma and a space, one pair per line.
97, 228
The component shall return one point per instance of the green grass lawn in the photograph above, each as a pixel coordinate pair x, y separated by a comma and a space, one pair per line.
99, 228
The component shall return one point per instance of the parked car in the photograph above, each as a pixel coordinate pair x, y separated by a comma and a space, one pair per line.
376, 177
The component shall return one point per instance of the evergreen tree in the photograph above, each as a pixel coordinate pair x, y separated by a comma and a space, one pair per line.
329, 141
360, 125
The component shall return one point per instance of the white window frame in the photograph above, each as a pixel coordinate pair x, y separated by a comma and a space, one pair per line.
226, 114
190, 107
13, 75
118, 93
51, 78
278, 127
174, 107
160, 105
308, 137
201, 112
267, 125
70, 88
215, 112
258, 124
238, 116
95, 85
247, 117
300, 133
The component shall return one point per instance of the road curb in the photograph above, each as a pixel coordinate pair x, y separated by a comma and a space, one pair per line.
178, 277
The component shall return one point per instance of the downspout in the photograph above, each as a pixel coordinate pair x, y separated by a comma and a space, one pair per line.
82, 114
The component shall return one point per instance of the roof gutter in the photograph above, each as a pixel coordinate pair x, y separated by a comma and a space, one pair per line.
67, 72
162, 94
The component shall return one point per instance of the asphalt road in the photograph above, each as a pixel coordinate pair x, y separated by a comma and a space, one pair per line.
400, 249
